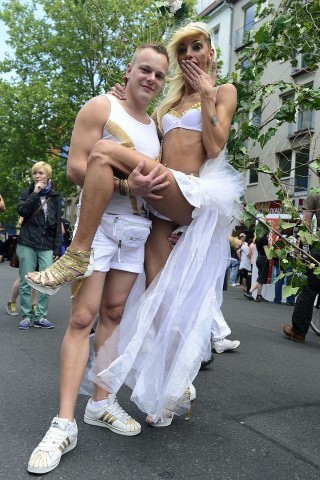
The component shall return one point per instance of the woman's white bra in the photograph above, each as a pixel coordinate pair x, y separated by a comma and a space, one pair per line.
189, 120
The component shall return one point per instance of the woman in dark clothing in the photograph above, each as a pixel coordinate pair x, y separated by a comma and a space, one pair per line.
262, 264
39, 242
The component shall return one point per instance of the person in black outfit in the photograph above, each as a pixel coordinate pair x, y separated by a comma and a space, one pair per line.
39, 242
302, 314
262, 263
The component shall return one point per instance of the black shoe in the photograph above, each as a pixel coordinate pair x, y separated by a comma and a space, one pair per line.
248, 295
208, 362
260, 299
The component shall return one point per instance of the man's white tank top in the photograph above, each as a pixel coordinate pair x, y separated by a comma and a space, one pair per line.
124, 129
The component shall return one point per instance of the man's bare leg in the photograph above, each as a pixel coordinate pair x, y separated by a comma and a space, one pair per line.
116, 290
75, 345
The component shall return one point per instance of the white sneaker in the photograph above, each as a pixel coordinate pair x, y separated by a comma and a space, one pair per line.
223, 345
59, 439
111, 416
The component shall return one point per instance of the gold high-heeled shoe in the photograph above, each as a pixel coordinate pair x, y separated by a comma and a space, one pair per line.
166, 418
192, 393
73, 265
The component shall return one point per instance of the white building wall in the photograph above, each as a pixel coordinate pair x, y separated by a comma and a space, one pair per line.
219, 19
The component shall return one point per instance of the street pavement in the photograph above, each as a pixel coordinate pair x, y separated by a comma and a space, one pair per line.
256, 416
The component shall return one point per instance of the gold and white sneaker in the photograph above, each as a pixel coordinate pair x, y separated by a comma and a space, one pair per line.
112, 416
59, 439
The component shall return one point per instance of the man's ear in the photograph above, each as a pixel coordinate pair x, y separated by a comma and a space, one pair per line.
128, 71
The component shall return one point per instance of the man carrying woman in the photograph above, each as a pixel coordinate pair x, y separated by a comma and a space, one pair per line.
116, 262
172, 322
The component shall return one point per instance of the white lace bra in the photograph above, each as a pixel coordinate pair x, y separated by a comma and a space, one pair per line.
189, 120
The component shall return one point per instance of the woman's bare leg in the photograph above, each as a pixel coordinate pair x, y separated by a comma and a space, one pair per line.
105, 158
157, 248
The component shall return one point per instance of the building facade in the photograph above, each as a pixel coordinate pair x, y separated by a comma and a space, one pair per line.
295, 144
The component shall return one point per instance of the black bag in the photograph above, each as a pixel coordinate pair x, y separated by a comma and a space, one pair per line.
14, 260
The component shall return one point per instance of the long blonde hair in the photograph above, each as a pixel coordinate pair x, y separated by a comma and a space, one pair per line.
176, 85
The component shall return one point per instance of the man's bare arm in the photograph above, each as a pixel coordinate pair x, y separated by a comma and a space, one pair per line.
87, 130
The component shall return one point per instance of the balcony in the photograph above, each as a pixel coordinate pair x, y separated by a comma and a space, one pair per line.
297, 185
243, 36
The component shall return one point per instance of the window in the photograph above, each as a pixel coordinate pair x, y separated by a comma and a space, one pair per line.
288, 97
305, 63
284, 161
215, 35
295, 169
303, 119
242, 36
249, 17
256, 117
301, 170
253, 174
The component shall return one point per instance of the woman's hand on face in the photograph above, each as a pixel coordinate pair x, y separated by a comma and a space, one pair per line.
39, 186
118, 91
199, 80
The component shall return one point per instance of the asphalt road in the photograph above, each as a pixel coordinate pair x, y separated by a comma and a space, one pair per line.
256, 416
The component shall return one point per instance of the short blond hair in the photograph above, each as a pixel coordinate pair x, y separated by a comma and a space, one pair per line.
46, 167
157, 47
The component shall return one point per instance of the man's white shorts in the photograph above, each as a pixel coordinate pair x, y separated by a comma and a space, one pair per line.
106, 254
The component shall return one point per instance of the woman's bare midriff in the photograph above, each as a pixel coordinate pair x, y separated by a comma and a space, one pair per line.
183, 150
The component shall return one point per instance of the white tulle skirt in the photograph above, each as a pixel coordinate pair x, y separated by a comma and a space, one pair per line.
165, 331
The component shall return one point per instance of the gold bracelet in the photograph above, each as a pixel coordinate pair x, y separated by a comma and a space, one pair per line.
124, 189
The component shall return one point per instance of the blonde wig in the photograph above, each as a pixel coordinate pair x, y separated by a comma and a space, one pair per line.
176, 85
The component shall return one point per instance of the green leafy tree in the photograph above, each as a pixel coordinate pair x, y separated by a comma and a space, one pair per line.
63, 53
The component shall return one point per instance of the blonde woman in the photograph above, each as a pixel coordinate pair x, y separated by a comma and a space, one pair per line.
39, 241
171, 323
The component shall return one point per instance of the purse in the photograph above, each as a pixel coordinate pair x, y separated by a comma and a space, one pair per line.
126, 231
14, 260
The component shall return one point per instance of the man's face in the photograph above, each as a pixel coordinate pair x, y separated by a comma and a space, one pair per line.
146, 75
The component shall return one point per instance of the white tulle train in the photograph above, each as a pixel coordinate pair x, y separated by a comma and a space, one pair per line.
165, 331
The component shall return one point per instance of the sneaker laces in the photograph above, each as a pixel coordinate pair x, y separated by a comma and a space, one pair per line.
53, 436
118, 411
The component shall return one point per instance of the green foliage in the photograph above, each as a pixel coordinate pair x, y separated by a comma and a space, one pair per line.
64, 52
289, 29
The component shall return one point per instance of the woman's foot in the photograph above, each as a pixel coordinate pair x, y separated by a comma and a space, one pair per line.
166, 417
164, 421
73, 265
